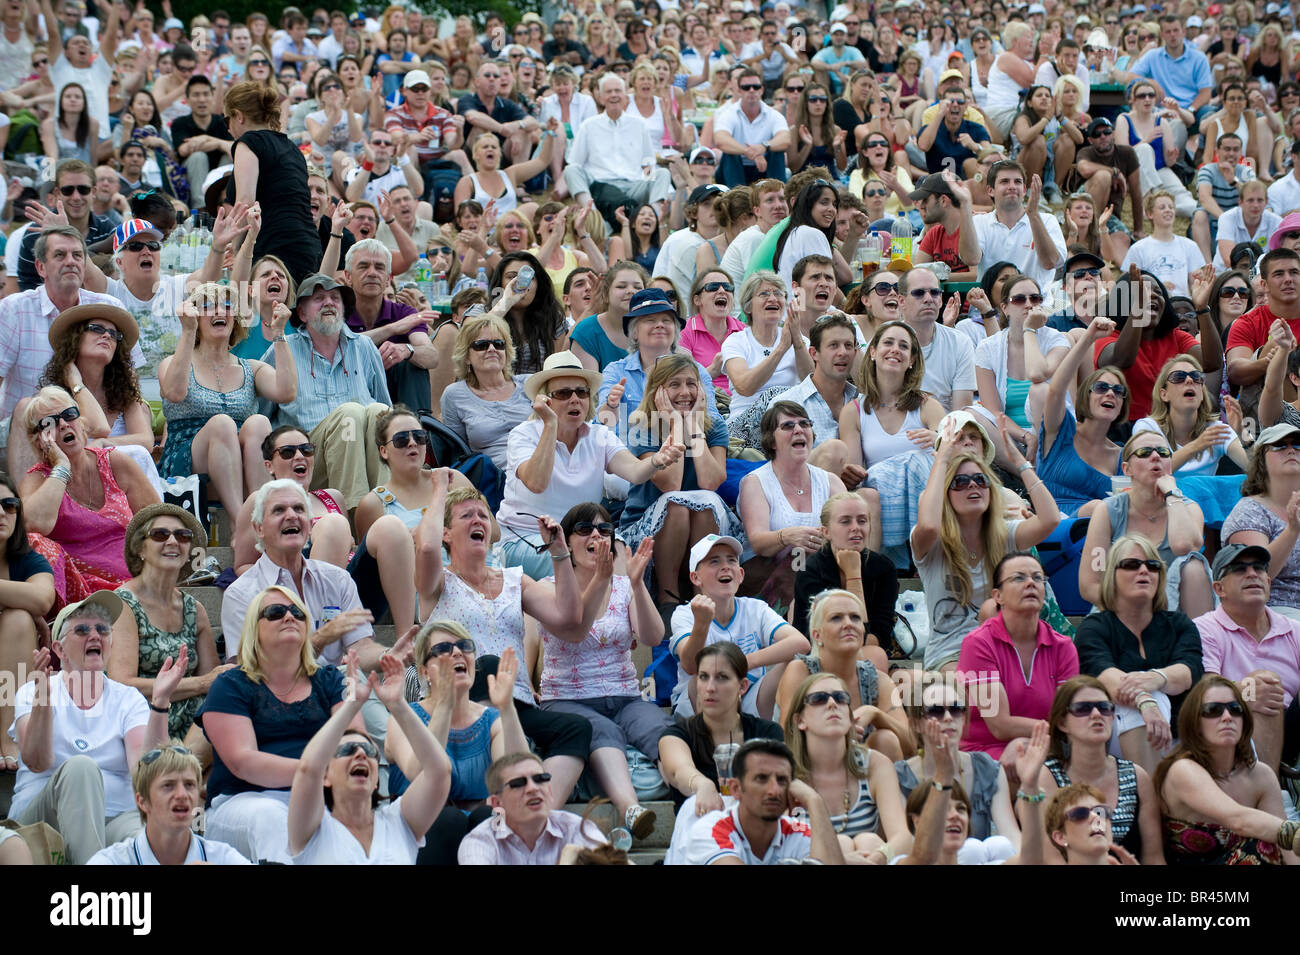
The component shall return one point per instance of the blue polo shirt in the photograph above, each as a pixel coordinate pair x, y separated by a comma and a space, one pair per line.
1183, 77
946, 145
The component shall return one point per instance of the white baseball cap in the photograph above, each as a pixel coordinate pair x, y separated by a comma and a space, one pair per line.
707, 543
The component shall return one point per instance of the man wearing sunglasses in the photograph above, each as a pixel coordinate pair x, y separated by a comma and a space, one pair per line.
951, 140
949, 235
1258, 648
81, 734
524, 830
753, 136
1083, 288
74, 181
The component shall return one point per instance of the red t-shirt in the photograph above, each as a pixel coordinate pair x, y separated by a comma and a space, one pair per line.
1251, 329
941, 246
1151, 357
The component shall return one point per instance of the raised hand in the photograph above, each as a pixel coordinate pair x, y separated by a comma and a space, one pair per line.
703, 608
1100, 328
1035, 193
936, 744
640, 559
1005, 425
805, 135
976, 295
404, 649
1030, 760
390, 686
551, 532
501, 686
542, 408
169, 677
952, 310
958, 189
356, 685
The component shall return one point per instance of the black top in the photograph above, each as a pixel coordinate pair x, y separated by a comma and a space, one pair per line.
27, 566
185, 128
879, 587
696, 736
503, 110
287, 227
847, 119
551, 49
1171, 637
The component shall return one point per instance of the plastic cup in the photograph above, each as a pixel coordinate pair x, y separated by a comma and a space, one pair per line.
723, 754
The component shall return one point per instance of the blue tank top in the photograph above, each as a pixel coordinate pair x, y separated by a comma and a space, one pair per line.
1073, 481
1133, 140
470, 750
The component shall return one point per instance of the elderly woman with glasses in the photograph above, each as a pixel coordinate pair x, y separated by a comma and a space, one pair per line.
210, 397
768, 352
1221, 805
1154, 508
486, 401
1268, 514
78, 500
1146, 655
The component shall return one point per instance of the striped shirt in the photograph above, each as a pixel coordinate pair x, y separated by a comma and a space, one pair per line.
1226, 194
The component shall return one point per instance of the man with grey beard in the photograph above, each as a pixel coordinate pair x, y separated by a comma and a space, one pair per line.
341, 390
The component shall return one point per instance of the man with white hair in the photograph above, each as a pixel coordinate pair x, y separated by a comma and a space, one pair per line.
611, 151
342, 389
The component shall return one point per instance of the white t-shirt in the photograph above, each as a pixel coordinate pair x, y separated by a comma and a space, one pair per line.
1232, 228
393, 843
94, 79
949, 364
1284, 194
718, 835
390, 180
991, 353
676, 260
739, 252
15, 242
99, 732
136, 851
1170, 262
752, 627
803, 241
160, 328
745, 346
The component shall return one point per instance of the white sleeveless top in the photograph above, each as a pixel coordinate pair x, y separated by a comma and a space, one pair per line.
877, 443
654, 123
495, 624
1004, 92
782, 514
15, 59
505, 202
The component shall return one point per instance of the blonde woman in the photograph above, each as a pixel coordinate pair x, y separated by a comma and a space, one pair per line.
491, 183
1182, 413
486, 401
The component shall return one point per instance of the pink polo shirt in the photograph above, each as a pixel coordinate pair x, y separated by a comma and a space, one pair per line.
1230, 651
699, 341
989, 659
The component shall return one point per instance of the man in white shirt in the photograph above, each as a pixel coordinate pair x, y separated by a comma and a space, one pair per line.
753, 137
770, 208
71, 63
613, 149
757, 830
1016, 233
949, 357
1284, 193
331, 47
1068, 62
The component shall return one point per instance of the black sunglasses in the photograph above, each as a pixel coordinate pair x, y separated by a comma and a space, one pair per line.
112, 333
877, 192
822, 697
1085, 708
962, 481
564, 394
259, 62
79, 190
1081, 273
52, 421
714, 286
345, 750
483, 344
1292, 444
1214, 710
11, 505
878, 144
1237, 568
447, 646
1237, 291
139, 245
161, 535
519, 782
750, 87
277, 612
1146, 452
705, 159
153, 754
795, 89
938, 711
817, 99
290, 451
1180, 376
537, 548
885, 288
404, 438
919, 293
584, 528
1101, 387
1133, 563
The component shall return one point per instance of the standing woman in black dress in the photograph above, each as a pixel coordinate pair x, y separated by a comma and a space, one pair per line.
270, 170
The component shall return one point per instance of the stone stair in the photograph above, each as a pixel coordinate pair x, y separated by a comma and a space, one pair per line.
647, 851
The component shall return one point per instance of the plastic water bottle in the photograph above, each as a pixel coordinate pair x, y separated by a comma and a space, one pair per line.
900, 245
481, 279
424, 278
440, 290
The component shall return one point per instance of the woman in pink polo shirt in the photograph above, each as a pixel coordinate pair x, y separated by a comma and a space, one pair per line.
1013, 662
712, 297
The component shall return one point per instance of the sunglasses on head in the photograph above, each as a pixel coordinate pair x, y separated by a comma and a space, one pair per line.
1215, 710
290, 451
1146, 452
714, 286
1033, 299
447, 646
78, 190
52, 421
822, 697
483, 344
403, 438
584, 528
277, 611
564, 394
1180, 376
1133, 563
153, 754
1083, 813
1238, 291
346, 749
1080, 273
962, 481
112, 333
1085, 708
11, 505
161, 535
519, 782
938, 711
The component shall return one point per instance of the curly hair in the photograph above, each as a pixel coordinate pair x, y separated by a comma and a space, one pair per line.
121, 388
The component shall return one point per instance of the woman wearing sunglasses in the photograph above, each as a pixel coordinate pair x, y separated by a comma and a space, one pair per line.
1181, 413
472, 733
1146, 655
78, 500
859, 785
259, 718
334, 814
712, 299
594, 677
1082, 722
162, 542
961, 535
876, 164
485, 402
1144, 128
1221, 806
1154, 508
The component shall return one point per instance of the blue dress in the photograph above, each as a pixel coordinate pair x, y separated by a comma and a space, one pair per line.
1073, 481
470, 750
186, 417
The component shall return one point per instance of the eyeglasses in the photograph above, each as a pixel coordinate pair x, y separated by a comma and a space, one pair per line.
1101, 387
1144, 453
1085, 708
1021, 578
112, 333
1286, 444
11, 505
37, 64
139, 245
1082, 813
938, 711
794, 423
584, 528
885, 288
153, 754
714, 286
564, 394
1033, 299
1238, 291
290, 451
1081, 273
751, 87
78, 190
877, 193
483, 344
161, 535
817, 99
822, 697
447, 646
52, 421
1180, 376
345, 750
1238, 568
1134, 563
519, 782
1213, 711
277, 611
962, 481
404, 438
919, 293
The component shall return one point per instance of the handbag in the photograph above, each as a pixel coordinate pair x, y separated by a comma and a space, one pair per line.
43, 840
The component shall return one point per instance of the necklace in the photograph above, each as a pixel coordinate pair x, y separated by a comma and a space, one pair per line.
216, 371
799, 491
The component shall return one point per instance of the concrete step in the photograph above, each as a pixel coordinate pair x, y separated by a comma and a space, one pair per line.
225, 555
647, 856
660, 836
